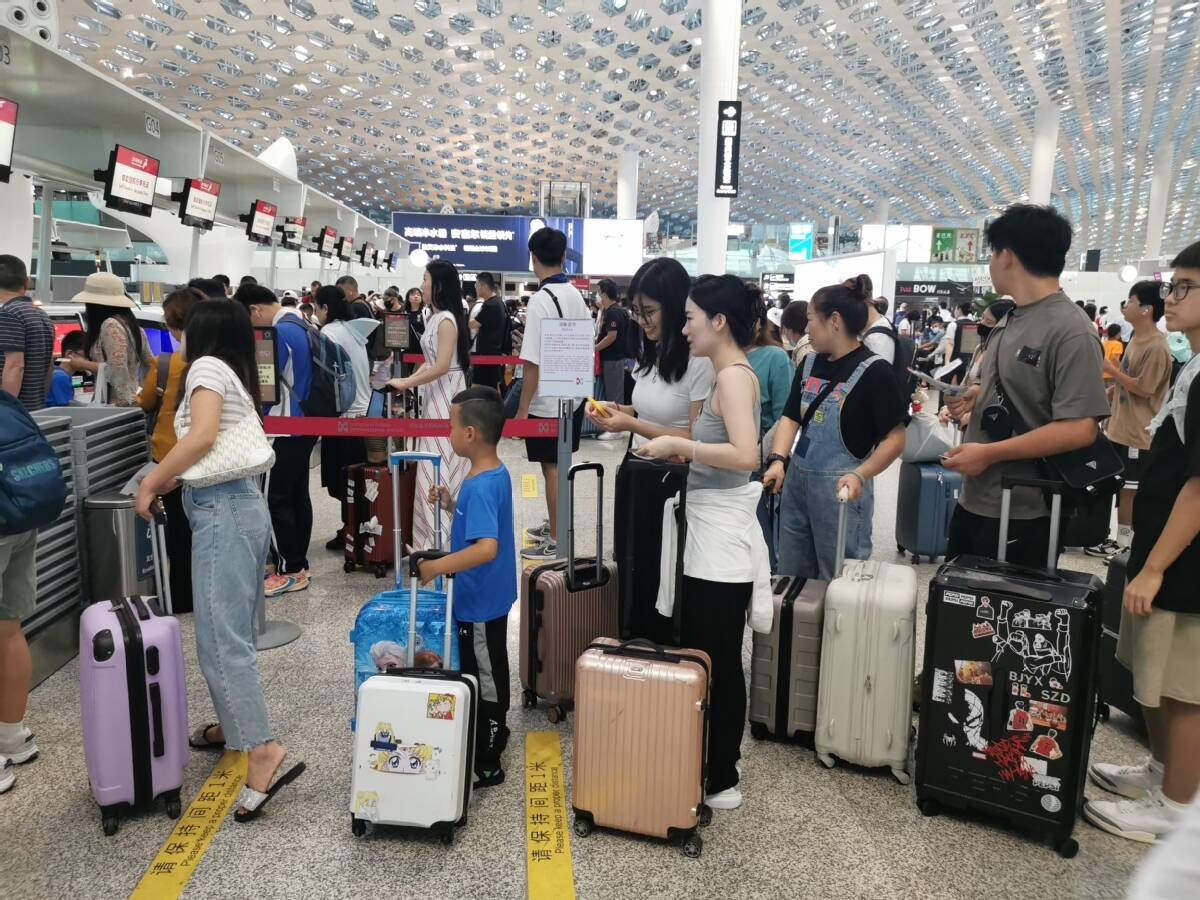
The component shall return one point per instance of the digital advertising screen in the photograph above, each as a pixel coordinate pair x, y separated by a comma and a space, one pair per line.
198, 207
487, 243
261, 222
8, 134
129, 181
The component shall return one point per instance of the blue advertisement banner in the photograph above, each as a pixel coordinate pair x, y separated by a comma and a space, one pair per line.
487, 243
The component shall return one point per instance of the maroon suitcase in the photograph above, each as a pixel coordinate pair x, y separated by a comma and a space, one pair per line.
565, 606
352, 548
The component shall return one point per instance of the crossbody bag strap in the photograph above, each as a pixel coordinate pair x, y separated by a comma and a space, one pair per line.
555, 300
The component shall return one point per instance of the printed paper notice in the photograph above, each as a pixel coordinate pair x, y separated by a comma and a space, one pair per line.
568, 354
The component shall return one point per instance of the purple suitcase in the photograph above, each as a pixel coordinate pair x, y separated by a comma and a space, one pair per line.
133, 700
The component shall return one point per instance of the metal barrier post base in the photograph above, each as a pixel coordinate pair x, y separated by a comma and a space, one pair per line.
272, 633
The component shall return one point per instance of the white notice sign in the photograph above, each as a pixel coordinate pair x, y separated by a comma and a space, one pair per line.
568, 358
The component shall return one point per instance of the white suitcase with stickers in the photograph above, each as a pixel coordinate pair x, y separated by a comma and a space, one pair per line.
414, 745
864, 699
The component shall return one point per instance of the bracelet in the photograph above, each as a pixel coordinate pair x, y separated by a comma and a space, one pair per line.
859, 475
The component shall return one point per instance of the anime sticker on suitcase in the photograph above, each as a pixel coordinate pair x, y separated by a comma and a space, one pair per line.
1009, 690
864, 700
785, 665
133, 701
414, 748
565, 605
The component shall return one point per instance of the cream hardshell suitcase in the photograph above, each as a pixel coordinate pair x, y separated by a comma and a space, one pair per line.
864, 699
414, 745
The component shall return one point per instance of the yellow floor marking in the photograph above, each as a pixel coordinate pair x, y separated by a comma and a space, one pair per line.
529, 487
547, 827
168, 874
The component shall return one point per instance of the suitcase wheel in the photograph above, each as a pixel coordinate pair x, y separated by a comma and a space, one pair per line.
1067, 848
358, 826
759, 731
900, 548
582, 826
928, 806
556, 714
174, 806
827, 760
901, 776
381, 571
917, 559
348, 566
705, 814
111, 824
1103, 711
447, 836
693, 844
529, 699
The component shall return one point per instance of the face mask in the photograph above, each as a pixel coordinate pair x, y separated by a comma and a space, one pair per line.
983, 331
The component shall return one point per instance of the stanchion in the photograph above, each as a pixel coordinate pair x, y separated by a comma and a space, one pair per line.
272, 633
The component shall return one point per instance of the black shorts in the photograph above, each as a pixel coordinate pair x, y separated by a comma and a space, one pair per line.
545, 450
1133, 464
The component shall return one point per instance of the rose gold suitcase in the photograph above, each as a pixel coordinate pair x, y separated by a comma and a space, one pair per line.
641, 717
565, 605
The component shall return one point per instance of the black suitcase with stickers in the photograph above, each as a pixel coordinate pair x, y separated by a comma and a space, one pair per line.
1008, 698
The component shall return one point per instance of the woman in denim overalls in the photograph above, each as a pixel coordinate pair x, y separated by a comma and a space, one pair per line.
822, 467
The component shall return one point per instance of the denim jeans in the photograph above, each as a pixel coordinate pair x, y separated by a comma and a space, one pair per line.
231, 534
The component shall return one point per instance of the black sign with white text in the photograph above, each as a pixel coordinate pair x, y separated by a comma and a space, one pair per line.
729, 146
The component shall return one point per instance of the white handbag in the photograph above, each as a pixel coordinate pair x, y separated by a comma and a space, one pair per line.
242, 451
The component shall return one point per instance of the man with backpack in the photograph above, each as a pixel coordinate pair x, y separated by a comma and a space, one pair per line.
287, 484
491, 328
900, 350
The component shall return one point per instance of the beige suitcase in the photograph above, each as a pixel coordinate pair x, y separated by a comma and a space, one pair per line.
641, 717
785, 664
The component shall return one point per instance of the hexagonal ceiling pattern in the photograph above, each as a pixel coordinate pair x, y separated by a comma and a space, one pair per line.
423, 103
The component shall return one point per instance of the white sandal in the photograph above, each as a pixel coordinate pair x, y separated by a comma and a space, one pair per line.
251, 802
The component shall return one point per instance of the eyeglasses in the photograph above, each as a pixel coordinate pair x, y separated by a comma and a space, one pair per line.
1177, 289
645, 315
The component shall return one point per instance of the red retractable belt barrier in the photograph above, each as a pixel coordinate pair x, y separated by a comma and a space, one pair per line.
477, 360
296, 426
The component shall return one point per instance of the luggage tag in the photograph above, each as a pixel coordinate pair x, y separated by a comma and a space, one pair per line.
1019, 719
1046, 745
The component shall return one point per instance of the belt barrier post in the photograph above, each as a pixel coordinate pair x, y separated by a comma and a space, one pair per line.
566, 408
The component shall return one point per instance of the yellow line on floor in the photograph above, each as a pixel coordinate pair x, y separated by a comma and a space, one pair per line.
547, 827
168, 874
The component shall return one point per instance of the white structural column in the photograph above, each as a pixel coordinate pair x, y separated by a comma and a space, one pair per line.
45, 250
720, 30
627, 185
1160, 186
1045, 147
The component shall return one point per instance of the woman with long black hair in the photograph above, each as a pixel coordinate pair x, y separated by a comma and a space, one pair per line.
114, 340
446, 344
220, 454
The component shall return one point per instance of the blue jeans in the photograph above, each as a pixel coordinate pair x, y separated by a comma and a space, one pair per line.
808, 519
231, 536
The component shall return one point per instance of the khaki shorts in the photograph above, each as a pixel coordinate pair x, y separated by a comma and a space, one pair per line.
18, 575
1162, 651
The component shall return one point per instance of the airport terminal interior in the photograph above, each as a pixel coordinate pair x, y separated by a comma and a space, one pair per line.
334, 199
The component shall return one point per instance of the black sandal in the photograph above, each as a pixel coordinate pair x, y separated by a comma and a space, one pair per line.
200, 740
251, 802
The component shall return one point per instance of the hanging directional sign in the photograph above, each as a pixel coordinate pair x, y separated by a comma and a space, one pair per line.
729, 144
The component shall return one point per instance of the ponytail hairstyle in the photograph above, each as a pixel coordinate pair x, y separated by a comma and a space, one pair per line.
726, 295
848, 300
446, 295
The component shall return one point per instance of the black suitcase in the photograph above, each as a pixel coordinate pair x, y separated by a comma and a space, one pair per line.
643, 487
1008, 701
1116, 681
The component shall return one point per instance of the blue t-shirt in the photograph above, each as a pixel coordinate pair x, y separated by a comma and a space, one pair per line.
485, 510
61, 391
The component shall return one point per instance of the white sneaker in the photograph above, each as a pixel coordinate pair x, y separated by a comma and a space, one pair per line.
7, 774
1144, 820
609, 436
23, 750
1133, 782
730, 798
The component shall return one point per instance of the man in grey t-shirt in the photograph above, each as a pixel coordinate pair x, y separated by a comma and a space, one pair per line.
1046, 357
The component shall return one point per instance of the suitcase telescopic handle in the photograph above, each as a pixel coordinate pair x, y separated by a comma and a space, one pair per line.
839, 557
571, 473
414, 572
1007, 483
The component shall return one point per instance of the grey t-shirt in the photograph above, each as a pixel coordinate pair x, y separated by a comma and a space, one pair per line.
1051, 364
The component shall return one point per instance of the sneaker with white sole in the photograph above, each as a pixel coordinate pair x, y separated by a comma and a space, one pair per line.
541, 532
1104, 549
7, 774
1133, 782
1146, 820
21, 751
730, 798
547, 549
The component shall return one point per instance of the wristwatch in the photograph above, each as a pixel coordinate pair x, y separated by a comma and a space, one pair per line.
777, 457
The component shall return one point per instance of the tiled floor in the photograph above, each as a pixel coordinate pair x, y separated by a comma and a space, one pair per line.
804, 831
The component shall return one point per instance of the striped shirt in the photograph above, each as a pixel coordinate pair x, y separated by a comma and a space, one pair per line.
24, 328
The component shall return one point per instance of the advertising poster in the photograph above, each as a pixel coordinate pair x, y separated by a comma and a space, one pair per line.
943, 245
487, 243
800, 240
134, 176
967, 245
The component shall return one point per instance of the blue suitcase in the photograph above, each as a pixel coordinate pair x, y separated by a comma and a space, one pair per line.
928, 495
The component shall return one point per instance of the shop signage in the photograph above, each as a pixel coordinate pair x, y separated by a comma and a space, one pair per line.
8, 132
729, 146
198, 207
966, 242
934, 290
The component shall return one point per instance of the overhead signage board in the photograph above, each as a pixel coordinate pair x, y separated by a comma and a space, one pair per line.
774, 282
293, 232
8, 133
345, 248
966, 243
486, 243
729, 147
261, 222
800, 240
934, 290
366, 255
129, 181
328, 241
198, 208
943, 245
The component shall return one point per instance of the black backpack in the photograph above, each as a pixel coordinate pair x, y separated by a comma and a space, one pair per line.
902, 359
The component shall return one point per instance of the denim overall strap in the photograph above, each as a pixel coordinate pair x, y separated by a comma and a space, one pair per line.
826, 450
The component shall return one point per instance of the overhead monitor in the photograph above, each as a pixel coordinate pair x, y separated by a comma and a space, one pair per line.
198, 203
326, 243
8, 133
129, 181
366, 253
293, 232
375, 259
612, 246
260, 223
345, 248
393, 260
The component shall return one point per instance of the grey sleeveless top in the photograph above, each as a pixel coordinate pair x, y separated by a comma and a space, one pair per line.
709, 428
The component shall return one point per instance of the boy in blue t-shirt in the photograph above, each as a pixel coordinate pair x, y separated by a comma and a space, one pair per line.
61, 389
483, 559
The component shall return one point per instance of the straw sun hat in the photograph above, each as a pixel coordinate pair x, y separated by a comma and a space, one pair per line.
104, 289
